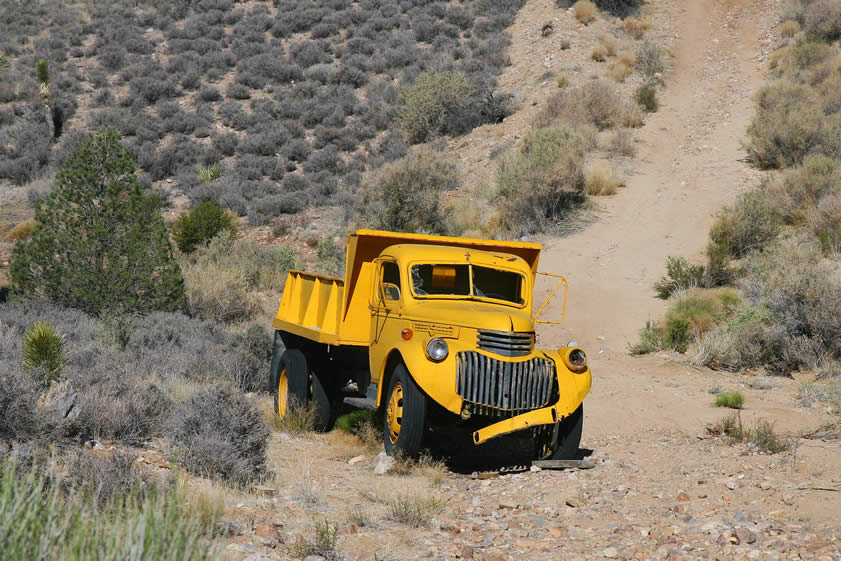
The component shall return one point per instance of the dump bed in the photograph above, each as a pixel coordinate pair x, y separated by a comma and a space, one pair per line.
335, 311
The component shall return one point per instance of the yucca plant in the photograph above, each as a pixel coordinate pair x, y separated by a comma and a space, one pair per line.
208, 173
43, 352
4, 60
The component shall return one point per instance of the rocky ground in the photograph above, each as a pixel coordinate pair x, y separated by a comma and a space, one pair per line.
662, 486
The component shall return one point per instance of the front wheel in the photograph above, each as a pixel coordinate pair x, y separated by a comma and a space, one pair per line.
561, 440
405, 415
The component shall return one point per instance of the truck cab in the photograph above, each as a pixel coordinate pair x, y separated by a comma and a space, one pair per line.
430, 329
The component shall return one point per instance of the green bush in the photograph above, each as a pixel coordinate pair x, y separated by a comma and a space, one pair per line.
823, 19
542, 181
43, 352
651, 340
404, 196
680, 275
801, 189
748, 225
97, 245
42, 71
200, 225
208, 172
646, 97
732, 400
430, 101
353, 421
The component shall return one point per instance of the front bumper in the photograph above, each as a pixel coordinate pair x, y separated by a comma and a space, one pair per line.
543, 416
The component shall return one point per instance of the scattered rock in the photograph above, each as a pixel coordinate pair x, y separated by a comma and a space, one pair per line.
467, 552
356, 460
384, 464
610, 552
575, 502
744, 535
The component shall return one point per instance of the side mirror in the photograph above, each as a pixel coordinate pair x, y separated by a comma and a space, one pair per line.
390, 291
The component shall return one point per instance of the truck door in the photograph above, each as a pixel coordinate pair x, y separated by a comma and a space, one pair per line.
386, 308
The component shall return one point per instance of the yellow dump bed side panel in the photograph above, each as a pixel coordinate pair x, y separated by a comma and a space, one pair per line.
311, 306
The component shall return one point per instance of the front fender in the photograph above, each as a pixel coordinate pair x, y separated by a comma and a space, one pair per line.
573, 387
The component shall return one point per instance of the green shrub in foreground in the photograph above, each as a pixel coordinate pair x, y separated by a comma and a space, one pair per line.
646, 97
200, 225
38, 522
432, 101
731, 400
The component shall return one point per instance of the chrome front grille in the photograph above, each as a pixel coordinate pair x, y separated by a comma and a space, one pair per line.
506, 343
504, 386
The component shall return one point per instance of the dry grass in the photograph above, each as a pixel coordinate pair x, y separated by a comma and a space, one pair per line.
789, 29
305, 488
22, 231
599, 53
601, 179
413, 510
627, 58
619, 71
561, 81
609, 43
585, 11
634, 27
622, 143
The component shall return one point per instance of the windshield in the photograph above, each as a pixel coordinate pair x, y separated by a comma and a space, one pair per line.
467, 280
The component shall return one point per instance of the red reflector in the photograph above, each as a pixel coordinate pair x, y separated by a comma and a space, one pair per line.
406, 334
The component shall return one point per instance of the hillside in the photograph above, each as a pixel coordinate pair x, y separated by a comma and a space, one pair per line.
157, 428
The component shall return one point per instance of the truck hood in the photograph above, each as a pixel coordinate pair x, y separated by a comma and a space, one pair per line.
474, 315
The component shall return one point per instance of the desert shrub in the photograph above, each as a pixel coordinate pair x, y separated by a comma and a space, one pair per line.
786, 127
114, 248
106, 478
331, 259
19, 418
222, 277
651, 340
749, 224
646, 97
695, 313
601, 180
404, 196
22, 231
219, 433
619, 8
595, 103
430, 102
200, 225
620, 70
731, 400
801, 189
542, 181
650, 59
323, 543
209, 172
823, 20
599, 53
789, 29
43, 352
25, 146
680, 275
414, 511
622, 143
226, 143
798, 288
585, 11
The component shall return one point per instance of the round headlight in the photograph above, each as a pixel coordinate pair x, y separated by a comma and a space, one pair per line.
437, 349
577, 359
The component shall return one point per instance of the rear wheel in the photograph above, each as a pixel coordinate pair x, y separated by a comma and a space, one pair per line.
405, 415
296, 389
561, 440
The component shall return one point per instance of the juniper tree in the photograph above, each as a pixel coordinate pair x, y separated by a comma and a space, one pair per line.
98, 245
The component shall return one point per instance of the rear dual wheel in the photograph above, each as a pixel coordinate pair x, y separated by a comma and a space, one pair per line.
297, 389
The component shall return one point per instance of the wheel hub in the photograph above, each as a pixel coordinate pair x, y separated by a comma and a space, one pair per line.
282, 394
394, 412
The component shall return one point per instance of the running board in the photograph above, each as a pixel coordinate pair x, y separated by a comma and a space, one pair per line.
368, 402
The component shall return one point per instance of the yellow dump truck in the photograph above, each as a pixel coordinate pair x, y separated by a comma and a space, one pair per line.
431, 331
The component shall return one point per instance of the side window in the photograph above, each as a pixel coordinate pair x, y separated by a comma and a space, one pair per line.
391, 276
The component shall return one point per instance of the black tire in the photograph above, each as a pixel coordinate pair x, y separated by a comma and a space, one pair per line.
301, 386
408, 420
561, 440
